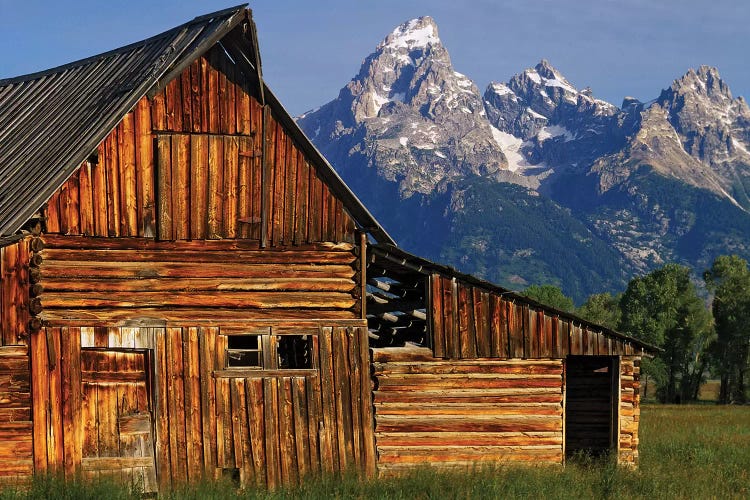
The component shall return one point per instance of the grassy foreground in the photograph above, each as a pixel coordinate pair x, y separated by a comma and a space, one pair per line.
686, 452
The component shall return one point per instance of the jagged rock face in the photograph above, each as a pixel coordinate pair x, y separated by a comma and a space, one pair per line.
695, 132
558, 125
411, 116
604, 191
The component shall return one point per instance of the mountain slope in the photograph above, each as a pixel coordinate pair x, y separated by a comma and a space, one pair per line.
537, 181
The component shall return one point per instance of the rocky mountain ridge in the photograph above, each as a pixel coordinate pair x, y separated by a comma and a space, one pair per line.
413, 136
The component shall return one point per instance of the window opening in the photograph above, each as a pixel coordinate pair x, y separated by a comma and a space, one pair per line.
295, 351
245, 351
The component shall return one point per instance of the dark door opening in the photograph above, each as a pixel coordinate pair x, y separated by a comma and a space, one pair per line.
591, 401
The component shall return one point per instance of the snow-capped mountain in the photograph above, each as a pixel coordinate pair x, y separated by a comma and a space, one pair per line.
538, 180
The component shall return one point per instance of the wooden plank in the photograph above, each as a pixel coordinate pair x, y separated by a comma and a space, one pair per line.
290, 192
237, 386
112, 161
193, 413
224, 440
40, 394
369, 459
55, 423
342, 397
355, 405
99, 194
145, 171
164, 188
187, 101
127, 159
466, 333
244, 186
315, 418
288, 449
271, 417
85, 200
163, 441
207, 344
176, 395
181, 210
437, 318
196, 96
173, 105
231, 174
329, 436
301, 429
52, 213
215, 187
159, 111
242, 432
301, 199
71, 398
254, 390
279, 175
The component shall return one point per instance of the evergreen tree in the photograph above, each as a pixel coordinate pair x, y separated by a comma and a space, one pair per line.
663, 309
729, 281
550, 295
602, 309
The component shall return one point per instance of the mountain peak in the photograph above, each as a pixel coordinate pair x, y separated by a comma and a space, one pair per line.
546, 70
705, 81
416, 33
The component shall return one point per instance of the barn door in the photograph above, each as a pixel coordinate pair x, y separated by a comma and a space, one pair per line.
117, 416
591, 400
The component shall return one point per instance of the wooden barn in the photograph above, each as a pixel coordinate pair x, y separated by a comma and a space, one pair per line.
189, 290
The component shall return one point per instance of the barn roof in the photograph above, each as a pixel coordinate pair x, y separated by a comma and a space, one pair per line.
400, 258
51, 121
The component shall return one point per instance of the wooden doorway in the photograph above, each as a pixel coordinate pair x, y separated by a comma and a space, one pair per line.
117, 416
591, 405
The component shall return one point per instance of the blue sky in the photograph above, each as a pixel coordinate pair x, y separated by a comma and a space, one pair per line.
311, 49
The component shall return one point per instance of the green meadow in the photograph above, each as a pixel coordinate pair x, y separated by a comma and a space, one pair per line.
689, 451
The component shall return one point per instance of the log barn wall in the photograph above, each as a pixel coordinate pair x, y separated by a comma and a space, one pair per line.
15, 413
446, 413
14, 293
193, 163
630, 409
470, 321
126, 279
264, 426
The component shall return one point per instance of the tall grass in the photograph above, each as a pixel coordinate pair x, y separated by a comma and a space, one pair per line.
686, 452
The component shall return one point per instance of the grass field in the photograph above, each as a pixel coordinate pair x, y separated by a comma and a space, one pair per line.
700, 451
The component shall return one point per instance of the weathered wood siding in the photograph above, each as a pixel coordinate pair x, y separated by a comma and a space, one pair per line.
126, 279
270, 426
430, 411
15, 413
14, 293
469, 322
630, 409
188, 164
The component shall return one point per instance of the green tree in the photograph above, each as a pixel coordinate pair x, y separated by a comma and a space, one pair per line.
550, 295
729, 281
602, 309
663, 309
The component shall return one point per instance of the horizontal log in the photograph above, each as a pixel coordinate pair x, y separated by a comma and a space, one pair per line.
15, 351
467, 367
160, 317
514, 394
417, 439
249, 373
83, 242
468, 409
397, 469
182, 255
15, 399
19, 450
465, 382
14, 414
14, 364
467, 454
17, 468
80, 269
407, 353
14, 428
198, 284
243, 300
517, 423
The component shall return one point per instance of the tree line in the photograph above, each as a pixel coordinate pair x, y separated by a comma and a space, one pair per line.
699, 337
